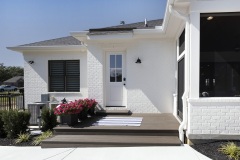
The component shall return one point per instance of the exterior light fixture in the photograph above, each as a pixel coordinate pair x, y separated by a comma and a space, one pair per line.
209, 18
138, 60
30, 62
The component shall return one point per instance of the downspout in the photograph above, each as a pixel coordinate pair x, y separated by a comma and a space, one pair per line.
187, 57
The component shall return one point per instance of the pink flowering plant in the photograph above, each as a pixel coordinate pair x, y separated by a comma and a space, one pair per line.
76, 107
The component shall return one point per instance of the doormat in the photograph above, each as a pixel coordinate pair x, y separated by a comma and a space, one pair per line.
119, 121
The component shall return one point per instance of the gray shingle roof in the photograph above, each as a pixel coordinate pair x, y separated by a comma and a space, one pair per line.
140, 25
56, 42
14, 79
126, 28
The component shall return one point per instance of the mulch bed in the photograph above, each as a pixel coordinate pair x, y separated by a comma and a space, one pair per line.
211, 149
11, 142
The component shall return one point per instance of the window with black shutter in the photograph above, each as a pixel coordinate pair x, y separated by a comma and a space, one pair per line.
64, 76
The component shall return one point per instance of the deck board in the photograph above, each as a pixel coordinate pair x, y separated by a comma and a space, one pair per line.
162, 121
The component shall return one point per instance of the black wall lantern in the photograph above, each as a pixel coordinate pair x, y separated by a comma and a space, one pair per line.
138, 60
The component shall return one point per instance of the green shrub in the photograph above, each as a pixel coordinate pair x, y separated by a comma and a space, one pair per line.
49, 119
231, 150
23, 137
2, 132
15, 122
38, 140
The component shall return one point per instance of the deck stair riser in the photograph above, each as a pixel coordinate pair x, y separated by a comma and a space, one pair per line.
116, 132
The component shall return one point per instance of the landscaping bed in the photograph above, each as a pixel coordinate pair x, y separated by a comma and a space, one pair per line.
211, 149
11, 142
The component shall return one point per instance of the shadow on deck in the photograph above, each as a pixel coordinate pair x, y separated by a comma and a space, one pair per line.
155, 130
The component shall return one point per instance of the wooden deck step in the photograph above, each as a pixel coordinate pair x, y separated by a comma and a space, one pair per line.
63, 141
113, 112
115, 131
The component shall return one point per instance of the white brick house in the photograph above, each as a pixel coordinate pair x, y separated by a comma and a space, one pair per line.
190, 67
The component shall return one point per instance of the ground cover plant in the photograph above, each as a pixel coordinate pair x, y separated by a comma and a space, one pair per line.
38, 140
211, 149
23, 137
231, 150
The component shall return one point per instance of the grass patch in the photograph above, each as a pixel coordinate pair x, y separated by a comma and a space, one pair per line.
231, 150
38, 140
22, 137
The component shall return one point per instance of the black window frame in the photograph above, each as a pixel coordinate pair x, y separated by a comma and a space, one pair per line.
181, 42
219, 55
64, 75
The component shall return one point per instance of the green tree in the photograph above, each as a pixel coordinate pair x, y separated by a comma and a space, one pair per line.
7, 72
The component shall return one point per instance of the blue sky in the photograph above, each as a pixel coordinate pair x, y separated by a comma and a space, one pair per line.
27, 21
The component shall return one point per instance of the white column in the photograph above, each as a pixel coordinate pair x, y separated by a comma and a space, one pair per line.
194, 54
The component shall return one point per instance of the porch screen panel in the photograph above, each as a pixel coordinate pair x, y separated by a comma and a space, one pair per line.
64, 76
180, 87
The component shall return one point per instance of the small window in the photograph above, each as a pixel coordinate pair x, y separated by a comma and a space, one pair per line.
182, 42
115, 68
64, 76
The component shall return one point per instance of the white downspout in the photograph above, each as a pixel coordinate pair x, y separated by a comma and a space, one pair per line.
187, 54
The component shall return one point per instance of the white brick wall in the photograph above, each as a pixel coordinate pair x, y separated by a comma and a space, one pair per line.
149, 85
36, 75
95, 62
211, 118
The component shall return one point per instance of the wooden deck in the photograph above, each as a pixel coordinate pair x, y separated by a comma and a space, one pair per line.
155, 130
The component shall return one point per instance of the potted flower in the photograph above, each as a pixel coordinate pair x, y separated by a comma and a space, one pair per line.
91, 104
68, 112
88, 108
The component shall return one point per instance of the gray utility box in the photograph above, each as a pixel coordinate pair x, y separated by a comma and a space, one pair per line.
35, 110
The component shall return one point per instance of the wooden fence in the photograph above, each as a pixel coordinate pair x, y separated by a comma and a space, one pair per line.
12, 101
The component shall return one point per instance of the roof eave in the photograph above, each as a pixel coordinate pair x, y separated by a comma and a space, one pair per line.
48, 48
80, 35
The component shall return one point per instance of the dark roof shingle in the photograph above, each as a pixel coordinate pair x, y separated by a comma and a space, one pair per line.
14, 79
126, 27
56, 42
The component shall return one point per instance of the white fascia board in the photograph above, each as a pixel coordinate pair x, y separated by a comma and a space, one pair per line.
166, 15
117, 36
48, 48
79, 33
147, 31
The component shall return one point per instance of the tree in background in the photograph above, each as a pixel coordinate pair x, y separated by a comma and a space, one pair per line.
7, 72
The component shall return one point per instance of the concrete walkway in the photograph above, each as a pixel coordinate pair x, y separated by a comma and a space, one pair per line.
112, 153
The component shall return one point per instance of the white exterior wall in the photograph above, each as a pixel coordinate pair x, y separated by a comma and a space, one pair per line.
95, 66
151, 84
36, 75
209, 118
